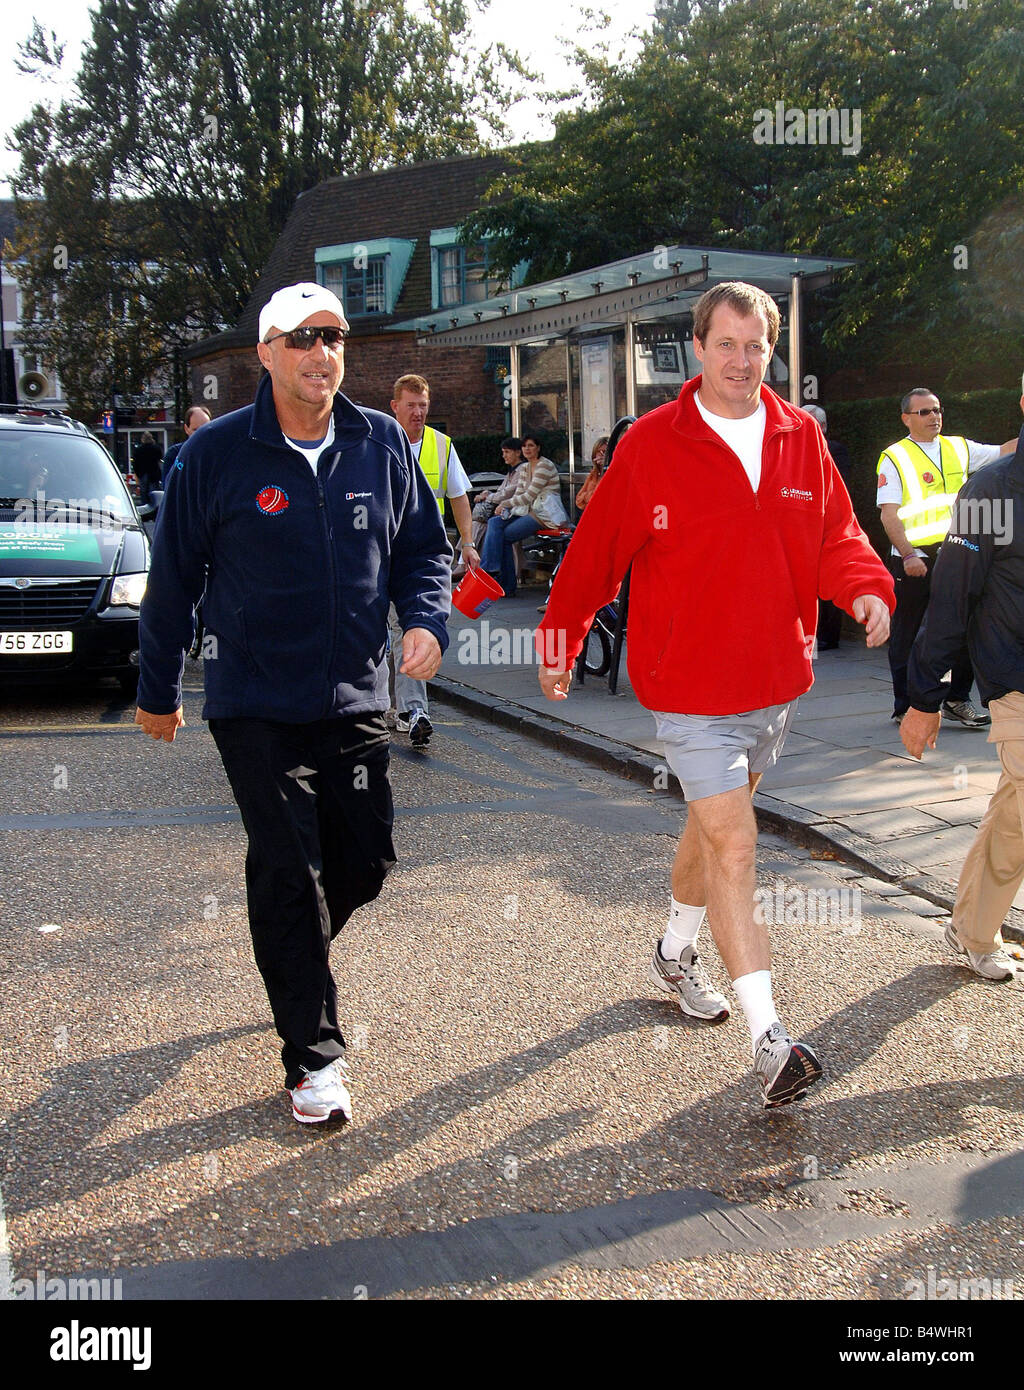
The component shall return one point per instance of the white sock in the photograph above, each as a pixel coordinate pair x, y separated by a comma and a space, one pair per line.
754, 991
684, 923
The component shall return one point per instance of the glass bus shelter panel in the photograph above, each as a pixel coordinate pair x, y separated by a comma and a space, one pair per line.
598, 389
578, 461
778, 369
620, 400
543, 395
664, 360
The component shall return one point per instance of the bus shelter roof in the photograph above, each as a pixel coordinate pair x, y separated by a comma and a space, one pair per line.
666, 280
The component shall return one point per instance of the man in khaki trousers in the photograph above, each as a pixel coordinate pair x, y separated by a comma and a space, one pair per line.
976, 587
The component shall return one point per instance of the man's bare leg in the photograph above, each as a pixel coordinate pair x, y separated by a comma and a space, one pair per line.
688, 864
725, 830
726, 833
677, 965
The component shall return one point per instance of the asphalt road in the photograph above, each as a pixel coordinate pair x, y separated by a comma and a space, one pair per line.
531, 1119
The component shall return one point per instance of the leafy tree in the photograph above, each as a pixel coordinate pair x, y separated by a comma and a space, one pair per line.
194, 126
91, 284
664, 151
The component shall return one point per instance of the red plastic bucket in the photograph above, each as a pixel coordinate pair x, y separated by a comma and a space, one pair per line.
475, 593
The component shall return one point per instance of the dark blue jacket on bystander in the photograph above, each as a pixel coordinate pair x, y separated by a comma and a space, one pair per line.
976, 590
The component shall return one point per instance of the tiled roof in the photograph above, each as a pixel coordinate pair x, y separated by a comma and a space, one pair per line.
408, 201
8, 220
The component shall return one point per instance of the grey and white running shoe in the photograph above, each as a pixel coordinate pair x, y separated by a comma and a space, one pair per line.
687, 979
784, 1068
990, 965
420, 728
965, 713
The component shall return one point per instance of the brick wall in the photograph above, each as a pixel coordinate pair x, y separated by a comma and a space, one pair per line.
465, 398
224, 381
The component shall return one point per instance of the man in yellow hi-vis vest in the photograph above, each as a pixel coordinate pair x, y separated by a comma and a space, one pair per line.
436, 456
918, 480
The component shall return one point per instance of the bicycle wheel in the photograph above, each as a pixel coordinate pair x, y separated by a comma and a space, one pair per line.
597, 651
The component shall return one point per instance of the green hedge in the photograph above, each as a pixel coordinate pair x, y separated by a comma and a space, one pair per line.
482, 452
479, 453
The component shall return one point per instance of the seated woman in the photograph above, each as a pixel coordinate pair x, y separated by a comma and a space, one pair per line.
515, 519
486, 502
586, 491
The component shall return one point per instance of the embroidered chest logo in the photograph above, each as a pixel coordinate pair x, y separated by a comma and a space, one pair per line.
799, 494
351, 496
272, 500
928, 477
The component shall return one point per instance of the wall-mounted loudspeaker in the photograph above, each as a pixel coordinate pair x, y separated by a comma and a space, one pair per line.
33, 385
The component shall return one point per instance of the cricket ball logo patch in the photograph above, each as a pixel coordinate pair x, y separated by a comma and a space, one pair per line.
272, 500
928, 477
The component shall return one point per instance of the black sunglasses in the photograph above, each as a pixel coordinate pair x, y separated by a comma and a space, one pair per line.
928, 410
302, 339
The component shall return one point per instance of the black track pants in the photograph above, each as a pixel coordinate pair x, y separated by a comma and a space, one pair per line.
316, 805
911, 602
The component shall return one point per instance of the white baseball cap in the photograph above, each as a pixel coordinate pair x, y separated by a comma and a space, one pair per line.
294, 304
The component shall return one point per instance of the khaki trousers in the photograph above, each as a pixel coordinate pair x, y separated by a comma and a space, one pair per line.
994, 867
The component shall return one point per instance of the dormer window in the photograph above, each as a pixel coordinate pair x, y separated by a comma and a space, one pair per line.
459, 274
360, 285
367, 276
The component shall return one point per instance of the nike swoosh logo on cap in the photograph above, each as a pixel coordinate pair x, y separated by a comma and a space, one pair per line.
306, 296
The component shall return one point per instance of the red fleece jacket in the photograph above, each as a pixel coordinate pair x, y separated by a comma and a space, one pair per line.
723, 599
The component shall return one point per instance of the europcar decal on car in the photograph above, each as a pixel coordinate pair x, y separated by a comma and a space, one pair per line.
33, 541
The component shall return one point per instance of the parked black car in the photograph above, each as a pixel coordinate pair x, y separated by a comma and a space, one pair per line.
73, 554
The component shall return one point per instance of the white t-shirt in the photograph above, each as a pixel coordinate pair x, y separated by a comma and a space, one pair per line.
744, 437
891, 489
312, 451
458, 482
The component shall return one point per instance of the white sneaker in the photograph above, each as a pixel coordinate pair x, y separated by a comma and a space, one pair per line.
990, 965
687, 979
322, 1096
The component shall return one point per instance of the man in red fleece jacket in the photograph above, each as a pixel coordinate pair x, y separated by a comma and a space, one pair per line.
735, 520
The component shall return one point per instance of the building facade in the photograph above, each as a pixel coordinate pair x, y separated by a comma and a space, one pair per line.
387, 244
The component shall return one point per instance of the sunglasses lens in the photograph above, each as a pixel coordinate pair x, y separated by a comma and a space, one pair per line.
304, 338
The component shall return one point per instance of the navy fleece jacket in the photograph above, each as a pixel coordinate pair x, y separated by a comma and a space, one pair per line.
295, 571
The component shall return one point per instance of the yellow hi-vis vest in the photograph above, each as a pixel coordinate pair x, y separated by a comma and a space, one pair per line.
926, 511
430, 462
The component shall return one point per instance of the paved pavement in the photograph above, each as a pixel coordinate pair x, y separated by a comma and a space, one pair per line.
532, 1118
845, 778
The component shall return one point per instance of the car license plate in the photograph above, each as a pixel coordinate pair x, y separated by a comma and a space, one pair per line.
39, 643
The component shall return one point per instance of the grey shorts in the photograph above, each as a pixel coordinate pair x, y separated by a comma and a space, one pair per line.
713, 753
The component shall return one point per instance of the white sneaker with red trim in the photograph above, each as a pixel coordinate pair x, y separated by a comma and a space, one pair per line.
322, 1096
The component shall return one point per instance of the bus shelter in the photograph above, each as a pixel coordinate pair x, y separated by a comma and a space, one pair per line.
617, 340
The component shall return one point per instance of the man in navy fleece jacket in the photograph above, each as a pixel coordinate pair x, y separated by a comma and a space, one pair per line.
297, 521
